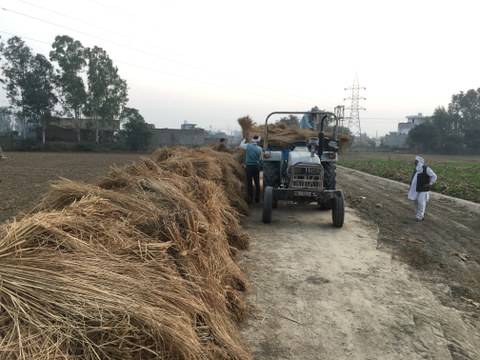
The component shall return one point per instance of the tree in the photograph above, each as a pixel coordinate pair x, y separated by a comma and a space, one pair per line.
40, 99
70, 56
136, 130
5, 121
290, 120
424, 137
17, 58
465, 109
451, 142
29, 83
344, 131
107, 91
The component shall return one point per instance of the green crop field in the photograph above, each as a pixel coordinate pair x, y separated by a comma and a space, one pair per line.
458, 176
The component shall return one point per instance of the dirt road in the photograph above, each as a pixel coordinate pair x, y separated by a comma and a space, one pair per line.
327, 293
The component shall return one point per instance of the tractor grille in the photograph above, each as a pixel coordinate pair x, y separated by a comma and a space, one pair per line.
306, 176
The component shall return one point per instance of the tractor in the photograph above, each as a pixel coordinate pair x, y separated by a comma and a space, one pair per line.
305, 171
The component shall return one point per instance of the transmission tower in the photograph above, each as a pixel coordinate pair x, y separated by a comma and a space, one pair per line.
354, 118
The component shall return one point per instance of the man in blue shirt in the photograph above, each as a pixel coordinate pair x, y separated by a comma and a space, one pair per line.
253, 162
307, 120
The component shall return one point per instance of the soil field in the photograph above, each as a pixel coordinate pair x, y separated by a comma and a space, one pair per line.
25, 176
381, 287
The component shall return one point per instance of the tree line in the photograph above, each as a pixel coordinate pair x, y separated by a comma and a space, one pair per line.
455, 130
76, 82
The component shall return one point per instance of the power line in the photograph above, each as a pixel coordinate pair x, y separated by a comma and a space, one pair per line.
310, 101
173, 74
72, 17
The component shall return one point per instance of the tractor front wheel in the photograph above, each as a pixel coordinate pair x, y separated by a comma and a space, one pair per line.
338, 210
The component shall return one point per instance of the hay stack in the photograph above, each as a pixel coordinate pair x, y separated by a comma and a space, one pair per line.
282, 135
137, 266
221, 146
224, 169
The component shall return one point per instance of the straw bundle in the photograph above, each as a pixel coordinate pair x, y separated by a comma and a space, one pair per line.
138, 266
247, 125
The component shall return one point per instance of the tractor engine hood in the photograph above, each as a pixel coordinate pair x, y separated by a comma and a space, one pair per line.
303, 155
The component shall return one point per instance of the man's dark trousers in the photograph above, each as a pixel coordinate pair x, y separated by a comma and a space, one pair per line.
253, 174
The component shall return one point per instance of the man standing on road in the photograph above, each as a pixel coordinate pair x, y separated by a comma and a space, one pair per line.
422, 181
253, 163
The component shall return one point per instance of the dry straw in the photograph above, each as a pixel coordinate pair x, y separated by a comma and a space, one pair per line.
282, 135
139, 265
247, 125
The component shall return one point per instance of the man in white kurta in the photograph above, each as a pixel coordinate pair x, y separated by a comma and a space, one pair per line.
420, 196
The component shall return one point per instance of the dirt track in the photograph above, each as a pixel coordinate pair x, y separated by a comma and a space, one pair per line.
327, 293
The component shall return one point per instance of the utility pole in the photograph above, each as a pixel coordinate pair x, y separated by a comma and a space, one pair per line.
339, 113
354, 118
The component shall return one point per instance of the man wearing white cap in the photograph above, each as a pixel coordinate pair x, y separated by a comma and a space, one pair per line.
422, 181
253, 162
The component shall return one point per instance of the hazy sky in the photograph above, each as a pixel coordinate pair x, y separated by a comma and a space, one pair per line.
210, 62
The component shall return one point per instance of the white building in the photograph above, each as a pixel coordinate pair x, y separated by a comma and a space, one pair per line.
412, 121
398, 139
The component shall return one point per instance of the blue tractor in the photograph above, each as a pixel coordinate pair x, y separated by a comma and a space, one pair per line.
305, 171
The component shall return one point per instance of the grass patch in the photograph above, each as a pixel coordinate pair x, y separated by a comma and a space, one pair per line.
458, 176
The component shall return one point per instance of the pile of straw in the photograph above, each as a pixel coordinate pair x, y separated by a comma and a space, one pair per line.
139, 265
282, 135
221, 146
222, 168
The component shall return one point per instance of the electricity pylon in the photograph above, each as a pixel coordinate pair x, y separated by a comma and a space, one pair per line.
354, 118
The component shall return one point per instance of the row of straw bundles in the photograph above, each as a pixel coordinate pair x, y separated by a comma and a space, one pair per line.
220, 167
137, 266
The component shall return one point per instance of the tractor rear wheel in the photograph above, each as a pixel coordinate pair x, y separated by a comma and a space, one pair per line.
271, 174
326, 205
329, 175
267, 204
338, 210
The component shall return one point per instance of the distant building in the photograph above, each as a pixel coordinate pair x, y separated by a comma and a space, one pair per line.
188, 135
187, 126
399, 139
65, 129
412, 121
171, 137
395, 140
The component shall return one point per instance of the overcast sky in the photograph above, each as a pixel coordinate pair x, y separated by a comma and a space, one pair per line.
210, 62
